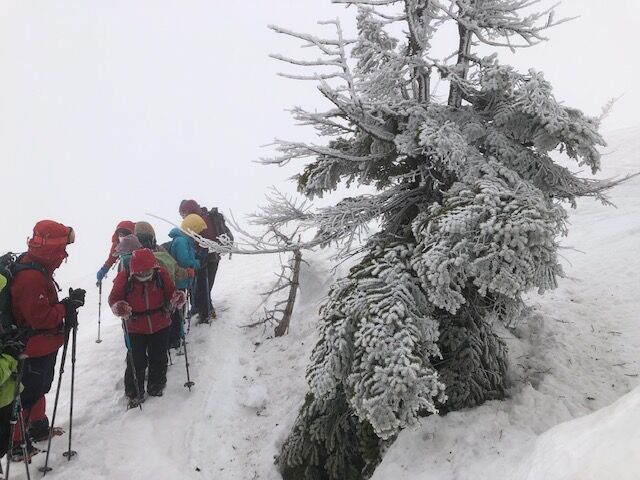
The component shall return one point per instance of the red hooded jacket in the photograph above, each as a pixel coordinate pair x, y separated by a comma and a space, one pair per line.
123, 225
149, 300
34, 297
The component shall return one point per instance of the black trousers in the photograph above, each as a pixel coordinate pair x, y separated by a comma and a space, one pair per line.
37, 378
5, 428
177, 328
206, 276
148, 351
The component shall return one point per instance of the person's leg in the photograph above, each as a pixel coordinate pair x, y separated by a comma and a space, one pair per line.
5, 428
175, 335
213, 269
138, 352
36, 379
202, 294
157, 351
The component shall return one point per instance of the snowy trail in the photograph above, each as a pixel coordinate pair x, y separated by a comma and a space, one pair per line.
205, 433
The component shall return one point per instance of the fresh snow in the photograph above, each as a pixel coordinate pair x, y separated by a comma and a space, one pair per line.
568, 418
578, 352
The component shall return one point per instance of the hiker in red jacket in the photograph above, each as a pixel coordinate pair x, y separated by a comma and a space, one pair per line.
144, 296
35, 307
123, 229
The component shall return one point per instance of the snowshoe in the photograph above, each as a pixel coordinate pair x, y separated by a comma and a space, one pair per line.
135, 402
17, 454
41, 436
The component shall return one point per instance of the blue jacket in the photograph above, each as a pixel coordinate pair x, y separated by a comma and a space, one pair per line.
184, 251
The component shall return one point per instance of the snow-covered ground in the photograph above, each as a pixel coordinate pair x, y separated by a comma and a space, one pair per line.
578, 354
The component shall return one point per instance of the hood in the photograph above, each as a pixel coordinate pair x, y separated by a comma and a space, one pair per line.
123, 225
176, 232
141, 260
127, 245
48, 245
189, 206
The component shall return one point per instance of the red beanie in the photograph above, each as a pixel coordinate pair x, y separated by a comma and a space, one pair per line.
141, 260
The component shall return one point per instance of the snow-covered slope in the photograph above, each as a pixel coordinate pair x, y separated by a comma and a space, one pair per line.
579, 352
605, 444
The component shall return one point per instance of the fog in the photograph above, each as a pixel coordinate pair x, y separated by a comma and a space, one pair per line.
111, 110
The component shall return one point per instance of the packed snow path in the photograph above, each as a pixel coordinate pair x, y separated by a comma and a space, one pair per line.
227, 427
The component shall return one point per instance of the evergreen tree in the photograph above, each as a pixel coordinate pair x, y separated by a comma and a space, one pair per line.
470, 209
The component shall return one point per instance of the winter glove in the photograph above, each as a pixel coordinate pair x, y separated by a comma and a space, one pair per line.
71, 304
178, 300
75, 298
191, 272
102, 273
121, 309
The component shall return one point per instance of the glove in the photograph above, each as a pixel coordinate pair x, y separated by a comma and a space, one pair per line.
179, 299
71, 304
102, 273
191, 272
75, 299
121, 309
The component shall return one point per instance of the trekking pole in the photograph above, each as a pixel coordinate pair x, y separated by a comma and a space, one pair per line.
99, 340
189, 383
16, 409
70, 453
25, 453
132, 364
46, 467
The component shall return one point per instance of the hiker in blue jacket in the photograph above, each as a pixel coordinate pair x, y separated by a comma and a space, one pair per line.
183, 247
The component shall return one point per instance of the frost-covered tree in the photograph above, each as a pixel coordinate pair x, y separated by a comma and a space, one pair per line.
470, 207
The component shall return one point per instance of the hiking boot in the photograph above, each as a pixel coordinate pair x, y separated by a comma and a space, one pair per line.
155, 391
212, 314
39, 428
42, 436
17, 454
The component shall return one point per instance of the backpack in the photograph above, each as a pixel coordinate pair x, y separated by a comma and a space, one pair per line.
9, 266
219, 225
167, 246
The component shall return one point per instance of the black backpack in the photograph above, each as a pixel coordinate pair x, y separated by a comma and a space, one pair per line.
9, 266
219, 225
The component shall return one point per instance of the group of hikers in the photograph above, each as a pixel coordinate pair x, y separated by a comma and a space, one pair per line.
156, 289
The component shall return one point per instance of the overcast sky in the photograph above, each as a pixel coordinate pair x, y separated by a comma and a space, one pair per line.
109, 110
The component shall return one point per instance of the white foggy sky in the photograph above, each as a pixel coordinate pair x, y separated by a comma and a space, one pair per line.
112, 109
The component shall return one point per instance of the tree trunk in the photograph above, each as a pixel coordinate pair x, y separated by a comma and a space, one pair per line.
283, 326
462, 66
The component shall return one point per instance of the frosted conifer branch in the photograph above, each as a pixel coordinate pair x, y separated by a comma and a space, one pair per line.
323, 122
281, 210
294, 150
489, 19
